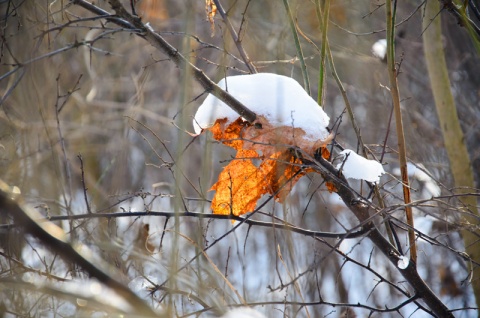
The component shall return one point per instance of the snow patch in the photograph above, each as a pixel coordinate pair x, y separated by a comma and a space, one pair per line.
280, 99
403, 262
357, 167
243, 312
418, 173
379, 49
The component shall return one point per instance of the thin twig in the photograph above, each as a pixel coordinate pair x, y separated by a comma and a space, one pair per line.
236, 39
323, 57
279, 226
402, 151
55, 238
67, 198
79, 156
316, 303
135, 25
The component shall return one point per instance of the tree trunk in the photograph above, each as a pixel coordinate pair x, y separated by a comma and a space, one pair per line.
453, 136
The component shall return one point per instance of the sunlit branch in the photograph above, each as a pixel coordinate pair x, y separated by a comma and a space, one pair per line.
101, 303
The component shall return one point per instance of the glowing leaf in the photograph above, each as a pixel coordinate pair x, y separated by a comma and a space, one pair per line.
241, 183
290, 125
239, 187
211, 10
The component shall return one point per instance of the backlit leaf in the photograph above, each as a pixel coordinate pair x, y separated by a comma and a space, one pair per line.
211, 10
242, 183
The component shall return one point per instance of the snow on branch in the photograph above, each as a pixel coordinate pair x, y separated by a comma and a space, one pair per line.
280, 99
356, 167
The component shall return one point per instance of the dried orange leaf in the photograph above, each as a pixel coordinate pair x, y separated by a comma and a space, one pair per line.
270, 139
240, 185
282, 170
325, 153
211, 10
289, 125
331, 187
229, 134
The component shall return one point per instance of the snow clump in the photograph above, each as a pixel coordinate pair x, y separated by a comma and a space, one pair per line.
280, 99
357, 167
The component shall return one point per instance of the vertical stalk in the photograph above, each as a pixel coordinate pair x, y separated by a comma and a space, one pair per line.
306, 81
402, 154
323, 51
453, 136
321, 19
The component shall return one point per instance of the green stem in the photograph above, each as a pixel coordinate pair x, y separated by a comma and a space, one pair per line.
351, 116
323, 52
306, 81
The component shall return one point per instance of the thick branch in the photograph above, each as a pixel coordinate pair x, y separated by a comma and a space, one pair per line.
361, 210
54, 238
463, 19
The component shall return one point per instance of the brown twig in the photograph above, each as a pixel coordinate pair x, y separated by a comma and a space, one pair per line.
79, 156
279, 226
360, 209
54, 238
134, 24
236, 38
402, 148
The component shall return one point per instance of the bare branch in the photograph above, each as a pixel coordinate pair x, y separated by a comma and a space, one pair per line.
236, 38
361, 210
276, 225
54, 237
145, 31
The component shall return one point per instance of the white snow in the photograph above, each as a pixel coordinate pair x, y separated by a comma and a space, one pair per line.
280, 99
379, 49
417, 172
403, 262
243, 312
357, 167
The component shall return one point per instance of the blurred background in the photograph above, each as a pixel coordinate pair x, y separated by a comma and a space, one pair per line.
83, 99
